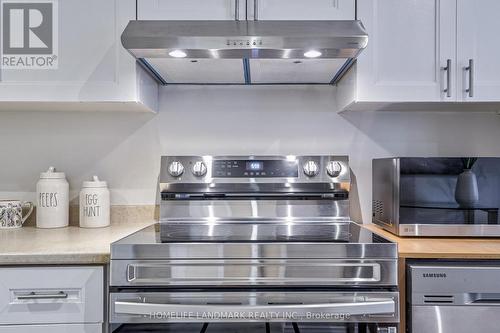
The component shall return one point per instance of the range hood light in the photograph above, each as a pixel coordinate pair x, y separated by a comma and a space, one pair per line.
177, 54
312, 54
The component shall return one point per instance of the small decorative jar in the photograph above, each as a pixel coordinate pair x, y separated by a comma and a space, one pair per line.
52, 209
94, 204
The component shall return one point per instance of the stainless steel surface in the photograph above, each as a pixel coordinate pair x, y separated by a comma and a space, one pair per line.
250, 306
273, 39
36, 295
239, 253
253, 272
248, 242
385, 188
176, 169
310, 168
126, 251
255, 10
391, 199
257, 185
447, 90
273, 209
333, 168
455, 319
455, 297
265, 232
470, 70
447, 230
277, 197
153, 43
255, 234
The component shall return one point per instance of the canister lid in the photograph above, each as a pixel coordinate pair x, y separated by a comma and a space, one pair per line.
52, 174
95, 182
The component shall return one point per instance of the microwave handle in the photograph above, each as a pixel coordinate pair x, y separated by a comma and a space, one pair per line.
374, 307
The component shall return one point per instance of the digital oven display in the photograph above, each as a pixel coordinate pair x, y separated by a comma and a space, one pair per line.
255, 166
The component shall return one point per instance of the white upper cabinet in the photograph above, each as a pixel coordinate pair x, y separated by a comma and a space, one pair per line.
302, 10
246, 9
478, 42
94, 71
190, 9
410, 44
418, 57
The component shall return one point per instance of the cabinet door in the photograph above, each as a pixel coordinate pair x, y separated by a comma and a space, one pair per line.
92, 63
302, 9
409, 45
478, 40
51, 295
190, 9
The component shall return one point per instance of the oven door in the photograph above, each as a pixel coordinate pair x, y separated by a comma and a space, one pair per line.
325, 311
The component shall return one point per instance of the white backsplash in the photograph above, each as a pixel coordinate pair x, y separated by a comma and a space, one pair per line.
125, 148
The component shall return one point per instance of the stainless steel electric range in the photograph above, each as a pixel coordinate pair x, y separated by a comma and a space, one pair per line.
254, 244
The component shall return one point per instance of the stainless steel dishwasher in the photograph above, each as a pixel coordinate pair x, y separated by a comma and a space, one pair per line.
454, 297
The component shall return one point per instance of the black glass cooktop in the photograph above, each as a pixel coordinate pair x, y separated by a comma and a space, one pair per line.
238, 240
263, 232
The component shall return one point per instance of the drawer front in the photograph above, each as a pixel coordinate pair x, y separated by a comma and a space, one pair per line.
254, 272
46, 295
72, 328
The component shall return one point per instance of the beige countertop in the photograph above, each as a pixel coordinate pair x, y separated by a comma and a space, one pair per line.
71, 245
440, 247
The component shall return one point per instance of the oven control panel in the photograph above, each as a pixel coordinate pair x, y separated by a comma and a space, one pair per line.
254, 168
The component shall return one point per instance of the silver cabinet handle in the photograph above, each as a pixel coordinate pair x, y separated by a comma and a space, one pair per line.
470, 69
376, 306
34, 295
236, 10
447, 90
255, 10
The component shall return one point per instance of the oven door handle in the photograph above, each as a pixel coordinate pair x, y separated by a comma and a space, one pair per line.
370, 307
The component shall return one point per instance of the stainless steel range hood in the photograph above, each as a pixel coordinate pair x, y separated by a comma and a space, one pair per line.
245, 52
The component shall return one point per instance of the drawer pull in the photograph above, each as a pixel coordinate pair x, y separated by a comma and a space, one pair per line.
34, 295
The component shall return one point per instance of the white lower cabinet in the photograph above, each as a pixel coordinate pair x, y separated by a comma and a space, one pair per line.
51, 299
67, 328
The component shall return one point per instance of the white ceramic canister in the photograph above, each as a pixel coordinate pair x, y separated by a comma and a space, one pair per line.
52, 209
94, 204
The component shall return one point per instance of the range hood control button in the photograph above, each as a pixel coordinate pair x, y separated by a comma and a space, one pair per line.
333, 169
199, 169
176, 169
310, 168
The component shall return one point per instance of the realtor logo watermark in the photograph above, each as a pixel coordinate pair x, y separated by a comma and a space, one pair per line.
29, 34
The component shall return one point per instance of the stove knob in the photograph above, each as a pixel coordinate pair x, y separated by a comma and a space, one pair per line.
333, 169
176, 169
310, 168
199, 169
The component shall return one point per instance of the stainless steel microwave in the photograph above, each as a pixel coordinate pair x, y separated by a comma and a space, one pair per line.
457, 197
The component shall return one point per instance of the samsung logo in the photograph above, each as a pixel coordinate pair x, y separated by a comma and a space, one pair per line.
434, 275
